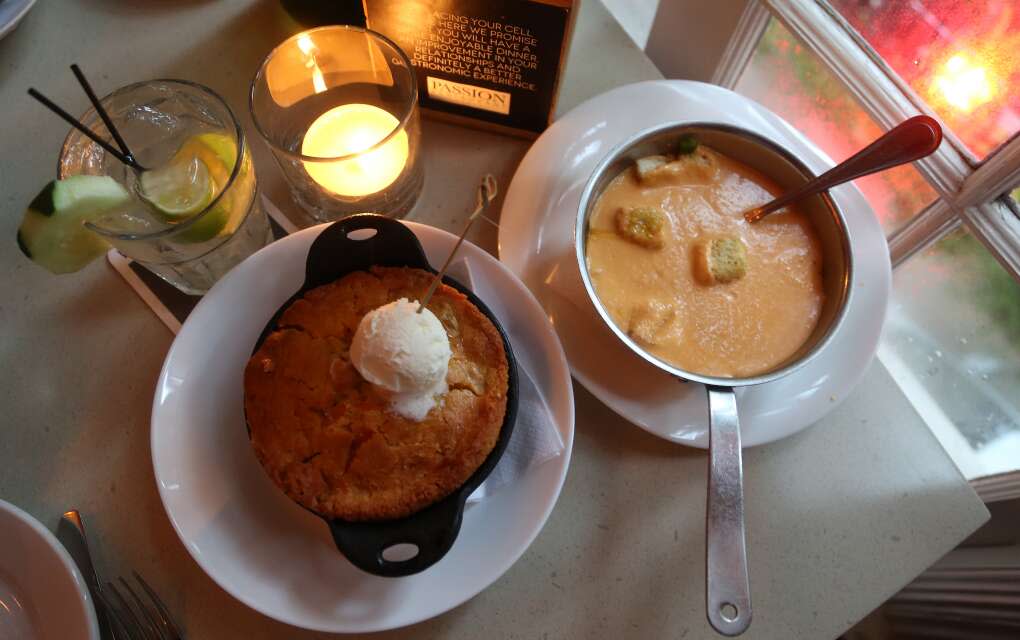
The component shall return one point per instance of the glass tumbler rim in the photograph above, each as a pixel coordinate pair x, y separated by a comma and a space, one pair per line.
402, 124
191, 221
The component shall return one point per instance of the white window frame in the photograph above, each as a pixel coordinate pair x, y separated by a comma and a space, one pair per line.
969, 191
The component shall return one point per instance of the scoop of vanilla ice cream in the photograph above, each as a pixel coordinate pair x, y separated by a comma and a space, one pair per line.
406, 353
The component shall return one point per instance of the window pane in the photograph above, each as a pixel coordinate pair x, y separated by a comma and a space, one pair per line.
952, 341
960, 56
788, 79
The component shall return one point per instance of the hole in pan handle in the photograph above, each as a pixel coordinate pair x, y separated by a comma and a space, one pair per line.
432, 530
335, 253
400, 552
727, 587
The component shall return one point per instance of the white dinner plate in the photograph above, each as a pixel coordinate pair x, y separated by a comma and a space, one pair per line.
536, 240
11, 13
264, 549
42, 594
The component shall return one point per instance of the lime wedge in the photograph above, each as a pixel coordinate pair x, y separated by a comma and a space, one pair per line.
223, 146
180, 189
192, 179
220, 153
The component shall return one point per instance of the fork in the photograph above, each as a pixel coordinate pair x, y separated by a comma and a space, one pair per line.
147, 620
136, 617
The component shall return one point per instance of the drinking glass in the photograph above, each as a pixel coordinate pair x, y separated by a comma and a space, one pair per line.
338, 106
156, 119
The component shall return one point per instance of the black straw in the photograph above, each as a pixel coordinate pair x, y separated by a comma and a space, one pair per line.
49, 104
102, 114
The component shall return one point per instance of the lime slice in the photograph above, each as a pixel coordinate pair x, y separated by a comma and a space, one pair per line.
52, 231
180, 189
191, 180
219, 151
223, 146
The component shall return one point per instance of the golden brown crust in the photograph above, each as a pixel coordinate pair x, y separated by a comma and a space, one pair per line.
326, 436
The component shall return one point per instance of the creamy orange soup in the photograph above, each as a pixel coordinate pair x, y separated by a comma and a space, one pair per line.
734, 329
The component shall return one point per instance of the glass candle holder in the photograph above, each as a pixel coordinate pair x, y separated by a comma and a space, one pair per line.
338, 105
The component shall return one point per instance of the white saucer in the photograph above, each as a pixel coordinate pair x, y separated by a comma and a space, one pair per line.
536, 240
42, 594
260, 546
11, 13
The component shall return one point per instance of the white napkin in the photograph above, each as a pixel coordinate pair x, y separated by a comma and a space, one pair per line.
535, 438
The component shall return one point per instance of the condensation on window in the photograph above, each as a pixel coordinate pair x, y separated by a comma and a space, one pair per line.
959, 56
952, 341
789, 79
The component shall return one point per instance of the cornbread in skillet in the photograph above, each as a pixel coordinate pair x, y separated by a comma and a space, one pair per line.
329, 439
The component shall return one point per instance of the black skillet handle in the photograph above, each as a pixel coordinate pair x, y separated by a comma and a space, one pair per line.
349, 245
431, 531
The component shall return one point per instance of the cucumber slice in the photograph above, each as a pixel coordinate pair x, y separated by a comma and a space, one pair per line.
52, 232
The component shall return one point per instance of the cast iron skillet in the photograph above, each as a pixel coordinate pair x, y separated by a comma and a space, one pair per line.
333, 255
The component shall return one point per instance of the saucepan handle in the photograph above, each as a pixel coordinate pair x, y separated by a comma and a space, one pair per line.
727, 588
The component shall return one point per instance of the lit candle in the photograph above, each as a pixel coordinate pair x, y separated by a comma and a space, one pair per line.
347, 130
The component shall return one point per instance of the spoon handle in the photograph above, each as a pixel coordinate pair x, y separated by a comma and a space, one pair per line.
910, 140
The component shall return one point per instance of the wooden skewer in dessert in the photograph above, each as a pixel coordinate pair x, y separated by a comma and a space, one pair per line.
486, 194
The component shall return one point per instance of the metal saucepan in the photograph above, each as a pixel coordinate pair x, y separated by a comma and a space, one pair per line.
727, 588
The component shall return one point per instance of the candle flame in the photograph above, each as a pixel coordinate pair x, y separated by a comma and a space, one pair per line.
352, 131
362, 140
317, 80
304, 42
